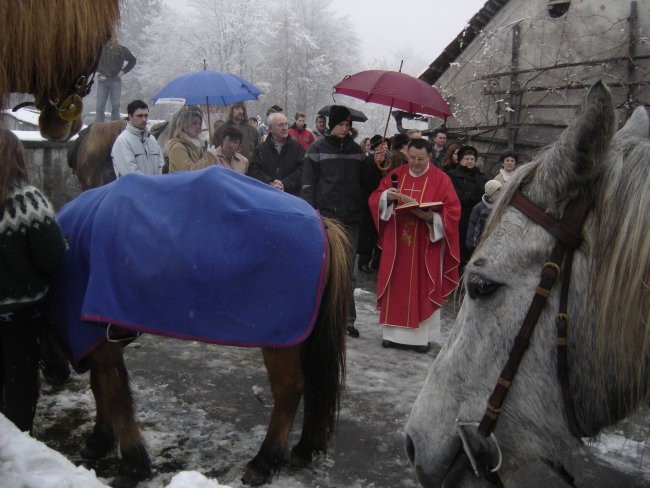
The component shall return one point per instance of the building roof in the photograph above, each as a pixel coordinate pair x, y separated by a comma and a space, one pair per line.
464, 39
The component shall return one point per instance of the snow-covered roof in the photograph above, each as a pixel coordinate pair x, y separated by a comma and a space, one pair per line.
462, 40
28, 115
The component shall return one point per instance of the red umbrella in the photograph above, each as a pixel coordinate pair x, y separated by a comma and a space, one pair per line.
394, 89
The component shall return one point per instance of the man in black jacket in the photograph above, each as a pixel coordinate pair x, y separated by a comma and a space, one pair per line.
331, 183
110, 70
278, 160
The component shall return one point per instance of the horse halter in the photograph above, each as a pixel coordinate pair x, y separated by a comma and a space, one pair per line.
71, 107
567, 232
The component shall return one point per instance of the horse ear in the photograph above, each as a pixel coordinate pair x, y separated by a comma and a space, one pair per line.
638, 124
586, 140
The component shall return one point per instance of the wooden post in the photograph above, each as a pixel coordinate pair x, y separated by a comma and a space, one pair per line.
632, 23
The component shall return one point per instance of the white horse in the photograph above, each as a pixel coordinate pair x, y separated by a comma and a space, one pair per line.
608, 311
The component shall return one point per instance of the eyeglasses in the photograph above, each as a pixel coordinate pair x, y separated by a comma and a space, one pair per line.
418, 160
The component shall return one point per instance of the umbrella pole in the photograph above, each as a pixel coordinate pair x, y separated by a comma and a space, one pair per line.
388, 119
207, 108
401, 63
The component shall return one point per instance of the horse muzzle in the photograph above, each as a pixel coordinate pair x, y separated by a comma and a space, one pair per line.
472, 461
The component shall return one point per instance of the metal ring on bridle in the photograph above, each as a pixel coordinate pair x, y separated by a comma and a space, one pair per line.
467, 447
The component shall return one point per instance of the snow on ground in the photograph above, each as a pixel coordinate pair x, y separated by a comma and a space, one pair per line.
203, 410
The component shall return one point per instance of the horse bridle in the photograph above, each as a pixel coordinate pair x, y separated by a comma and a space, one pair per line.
71, 105
567, 232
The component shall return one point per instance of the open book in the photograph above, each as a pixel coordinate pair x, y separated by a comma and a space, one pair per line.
406, 202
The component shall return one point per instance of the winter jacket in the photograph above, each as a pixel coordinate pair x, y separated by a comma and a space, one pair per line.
31, 248
304, 136
136, 151
477, 220
112, 60
469, 185
250, 138
184, 155
268, 165
332, 177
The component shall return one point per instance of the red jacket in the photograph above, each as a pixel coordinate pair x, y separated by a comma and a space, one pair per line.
304, 136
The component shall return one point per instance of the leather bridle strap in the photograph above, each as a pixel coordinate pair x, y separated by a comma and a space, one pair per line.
562, 324
567, 232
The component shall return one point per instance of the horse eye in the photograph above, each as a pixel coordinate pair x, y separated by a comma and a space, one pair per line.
481, 288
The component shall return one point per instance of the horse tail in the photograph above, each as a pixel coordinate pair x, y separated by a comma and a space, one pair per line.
323, 354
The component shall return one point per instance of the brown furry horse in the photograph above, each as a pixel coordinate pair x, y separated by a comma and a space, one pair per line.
89, 155
50, 49
313, 370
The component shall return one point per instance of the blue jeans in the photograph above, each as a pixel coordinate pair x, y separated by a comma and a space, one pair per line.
111, 87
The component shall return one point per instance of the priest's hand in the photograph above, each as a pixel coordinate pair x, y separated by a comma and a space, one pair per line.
426, 215
392, 194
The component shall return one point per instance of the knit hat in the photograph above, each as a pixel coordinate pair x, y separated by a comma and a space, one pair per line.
338, 113
375, 141
399, 140
491, 187
465, 150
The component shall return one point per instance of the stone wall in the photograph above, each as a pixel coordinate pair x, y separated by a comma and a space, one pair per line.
48, 170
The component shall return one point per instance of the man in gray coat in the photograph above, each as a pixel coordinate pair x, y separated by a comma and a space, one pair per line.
135, 150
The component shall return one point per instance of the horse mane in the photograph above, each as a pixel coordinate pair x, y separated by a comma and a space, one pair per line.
620, 285
48, 44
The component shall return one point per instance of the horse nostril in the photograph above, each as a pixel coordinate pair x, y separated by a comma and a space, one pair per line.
410, 449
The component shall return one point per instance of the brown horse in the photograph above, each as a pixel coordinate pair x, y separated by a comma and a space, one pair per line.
313, 370
50, 49
89, 156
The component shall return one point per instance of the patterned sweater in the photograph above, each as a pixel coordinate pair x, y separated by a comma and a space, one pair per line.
31, 248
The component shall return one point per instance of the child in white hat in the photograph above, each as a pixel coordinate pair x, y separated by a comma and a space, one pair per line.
481, 212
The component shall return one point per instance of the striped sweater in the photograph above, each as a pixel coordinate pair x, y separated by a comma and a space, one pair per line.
31, 248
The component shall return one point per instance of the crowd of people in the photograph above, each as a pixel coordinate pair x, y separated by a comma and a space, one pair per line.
413, 210
418, 253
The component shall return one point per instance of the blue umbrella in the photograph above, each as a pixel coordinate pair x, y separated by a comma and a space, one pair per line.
210, 88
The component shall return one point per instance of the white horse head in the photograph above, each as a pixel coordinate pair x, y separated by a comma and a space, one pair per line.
608, 306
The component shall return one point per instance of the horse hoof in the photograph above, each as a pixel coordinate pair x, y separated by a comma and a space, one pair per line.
260, 468
300, 459
98, 445
135, 463
253, 477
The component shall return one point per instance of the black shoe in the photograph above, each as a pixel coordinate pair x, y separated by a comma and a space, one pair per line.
353, 331
387, 344
422, 349
365, 268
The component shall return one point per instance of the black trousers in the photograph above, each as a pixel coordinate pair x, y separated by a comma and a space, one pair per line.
19, 373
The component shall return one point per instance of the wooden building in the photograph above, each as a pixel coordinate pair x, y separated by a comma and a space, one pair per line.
516, 74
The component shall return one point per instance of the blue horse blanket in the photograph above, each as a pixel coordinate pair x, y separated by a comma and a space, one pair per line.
209, 255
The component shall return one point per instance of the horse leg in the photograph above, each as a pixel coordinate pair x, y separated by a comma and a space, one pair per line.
323, 355
109, 382
318, 416
287, 383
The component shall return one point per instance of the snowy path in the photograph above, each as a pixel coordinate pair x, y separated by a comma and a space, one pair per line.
205, 408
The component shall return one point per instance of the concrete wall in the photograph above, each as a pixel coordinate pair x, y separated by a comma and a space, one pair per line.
495, 108
48, 170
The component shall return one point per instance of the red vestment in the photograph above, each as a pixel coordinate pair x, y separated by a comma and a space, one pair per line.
415, 274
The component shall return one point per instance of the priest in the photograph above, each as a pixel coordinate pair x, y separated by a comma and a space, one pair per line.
420, 251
